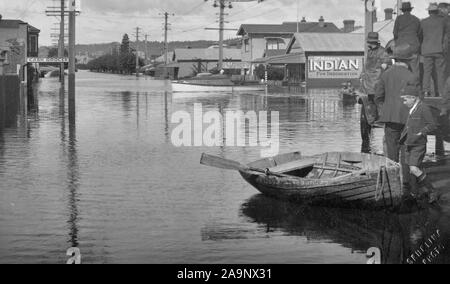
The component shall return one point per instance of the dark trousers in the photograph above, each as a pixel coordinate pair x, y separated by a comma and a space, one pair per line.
434, 64
395, 151
414, 64
393, 132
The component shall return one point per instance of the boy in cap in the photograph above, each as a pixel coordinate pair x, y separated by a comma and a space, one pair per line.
407, 29
434, 46
419, 125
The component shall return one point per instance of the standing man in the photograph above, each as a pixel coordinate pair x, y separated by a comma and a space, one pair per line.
407, 30
443, 11
434, 47
393, 113
376, 59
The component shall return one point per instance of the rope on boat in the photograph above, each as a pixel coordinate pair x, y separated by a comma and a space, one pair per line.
382, 182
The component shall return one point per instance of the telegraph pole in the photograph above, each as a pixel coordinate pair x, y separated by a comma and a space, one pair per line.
369, 9
61, 43
166, 29
145, 49
72, 61
221, 27
137, 51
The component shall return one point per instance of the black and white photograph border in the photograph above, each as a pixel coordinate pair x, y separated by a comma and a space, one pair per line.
228, 134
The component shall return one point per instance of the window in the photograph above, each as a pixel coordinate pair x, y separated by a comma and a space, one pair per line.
275, 44
33, 44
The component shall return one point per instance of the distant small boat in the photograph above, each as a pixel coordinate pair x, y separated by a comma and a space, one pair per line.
339, 179
215, 83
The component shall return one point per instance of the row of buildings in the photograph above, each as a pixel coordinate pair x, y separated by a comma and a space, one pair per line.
312, 53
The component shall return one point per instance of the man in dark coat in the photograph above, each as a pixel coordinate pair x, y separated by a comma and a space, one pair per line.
393, 113
376, 58
407, 29
420, 124
434, 47
443, 11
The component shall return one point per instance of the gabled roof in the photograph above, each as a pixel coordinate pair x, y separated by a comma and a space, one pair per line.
14, 24
288, 28
211, 54
327, 42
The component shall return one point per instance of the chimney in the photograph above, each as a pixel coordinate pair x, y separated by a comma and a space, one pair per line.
349, 26
303, 20
321, 22
389, 12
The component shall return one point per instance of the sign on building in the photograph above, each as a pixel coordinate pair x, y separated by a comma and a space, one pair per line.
339, 67
48, 60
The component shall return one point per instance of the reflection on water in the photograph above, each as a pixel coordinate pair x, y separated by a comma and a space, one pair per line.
397, 236
114, 186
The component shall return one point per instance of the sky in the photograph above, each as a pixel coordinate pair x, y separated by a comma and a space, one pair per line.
103, 21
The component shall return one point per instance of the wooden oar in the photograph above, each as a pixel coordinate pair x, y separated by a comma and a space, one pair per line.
221, 163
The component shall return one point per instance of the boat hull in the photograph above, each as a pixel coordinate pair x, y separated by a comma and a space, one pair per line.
359, 191
193, 88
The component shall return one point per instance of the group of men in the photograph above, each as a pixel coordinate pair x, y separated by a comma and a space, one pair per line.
398, 86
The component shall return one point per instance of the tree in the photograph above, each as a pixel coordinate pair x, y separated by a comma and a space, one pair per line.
53, 52
125, 46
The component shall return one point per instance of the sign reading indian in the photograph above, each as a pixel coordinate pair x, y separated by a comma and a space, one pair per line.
342, 67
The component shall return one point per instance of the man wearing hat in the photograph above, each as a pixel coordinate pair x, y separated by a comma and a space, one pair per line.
443, 12
407, 29
393, 113
434, 47
419, 125
376, 57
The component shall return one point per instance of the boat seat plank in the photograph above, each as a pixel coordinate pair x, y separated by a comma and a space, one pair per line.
294, 165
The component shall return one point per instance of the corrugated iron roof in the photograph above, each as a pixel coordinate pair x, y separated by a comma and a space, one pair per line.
212, 54
328, 42
288, 28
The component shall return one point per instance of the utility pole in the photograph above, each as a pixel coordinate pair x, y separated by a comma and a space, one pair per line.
221, 27
61, 43
145, 49
369, 9
72, 16
137, 51
399, 7
166, 29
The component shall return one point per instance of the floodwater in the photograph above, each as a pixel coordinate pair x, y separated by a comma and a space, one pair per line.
114, 185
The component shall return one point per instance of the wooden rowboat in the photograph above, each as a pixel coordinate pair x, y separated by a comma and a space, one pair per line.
338, 179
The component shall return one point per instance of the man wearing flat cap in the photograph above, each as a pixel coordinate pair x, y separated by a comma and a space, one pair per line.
434, 48
407, 29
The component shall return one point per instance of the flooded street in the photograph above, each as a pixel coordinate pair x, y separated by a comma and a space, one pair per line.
114, 185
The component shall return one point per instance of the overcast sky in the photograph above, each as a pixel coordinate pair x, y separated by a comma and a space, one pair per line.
107, 20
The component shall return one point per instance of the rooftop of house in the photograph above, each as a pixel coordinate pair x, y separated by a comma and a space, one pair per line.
289, 28
327, 42
15, 24
207, 54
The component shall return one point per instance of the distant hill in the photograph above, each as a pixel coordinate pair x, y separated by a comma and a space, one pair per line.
154, 48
